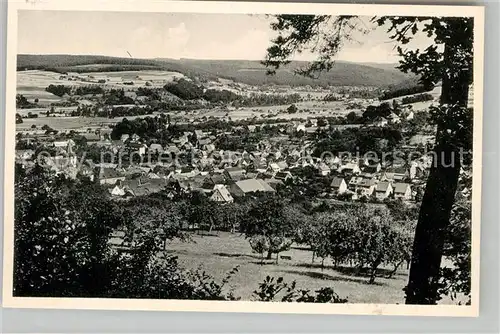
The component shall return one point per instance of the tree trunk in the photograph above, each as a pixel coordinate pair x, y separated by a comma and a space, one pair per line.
314, 253
440, 190
269, 255
396, 267
277, 258
373, 272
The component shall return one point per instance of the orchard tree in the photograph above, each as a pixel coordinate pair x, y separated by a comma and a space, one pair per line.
449, 60
268, 217
259, 245
336, 237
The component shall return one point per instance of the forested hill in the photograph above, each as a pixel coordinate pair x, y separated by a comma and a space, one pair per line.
249, 72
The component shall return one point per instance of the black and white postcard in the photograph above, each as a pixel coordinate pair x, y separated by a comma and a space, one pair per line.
243, 157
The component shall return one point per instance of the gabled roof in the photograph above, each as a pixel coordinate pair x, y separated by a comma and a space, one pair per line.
336, 182
91, 136
253, 185
274, 165
155, 147
393, 116
223, 192
217, 179
401, 188
234, 170
283, 175
172, 149
142, 186
370, 169
366, 182
282, 164
323, 167
383, 186
109, 173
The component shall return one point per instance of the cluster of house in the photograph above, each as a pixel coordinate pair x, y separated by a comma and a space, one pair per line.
392, 118
372, 182
224, 175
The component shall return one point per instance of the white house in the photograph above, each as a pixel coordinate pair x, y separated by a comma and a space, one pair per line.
338, 185
393, 118
301, 127
380, 121
383, 190
402, 191
221, 194
117, 191
323, 169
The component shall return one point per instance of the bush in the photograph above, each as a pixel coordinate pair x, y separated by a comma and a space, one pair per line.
277, 290
58, 90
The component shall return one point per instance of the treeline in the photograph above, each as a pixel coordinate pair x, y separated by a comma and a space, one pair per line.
61, 90
397, 92
256, 100
188, 90
117, 96
58, 90
184, 89
382, 110
362, 140
361, 237
119, 111
23, 103
89, 90
417, 98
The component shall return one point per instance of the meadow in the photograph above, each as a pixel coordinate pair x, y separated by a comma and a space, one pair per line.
218, 253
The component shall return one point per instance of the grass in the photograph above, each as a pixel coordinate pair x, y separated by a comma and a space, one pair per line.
218, 254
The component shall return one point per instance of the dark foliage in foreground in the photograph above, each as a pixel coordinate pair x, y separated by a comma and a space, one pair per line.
63, 230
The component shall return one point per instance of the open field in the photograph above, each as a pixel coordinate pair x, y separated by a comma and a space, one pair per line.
139, 78
218, 254
308, 109
69, 123
32, 83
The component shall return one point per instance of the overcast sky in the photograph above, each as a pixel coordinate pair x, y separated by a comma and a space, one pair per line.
153, 35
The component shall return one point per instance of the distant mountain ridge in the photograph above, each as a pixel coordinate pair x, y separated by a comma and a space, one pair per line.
250, 72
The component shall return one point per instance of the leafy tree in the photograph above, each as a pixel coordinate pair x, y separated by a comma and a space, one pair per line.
456, 279
267, 217
339, 242
61, 234
292, 109
352, 118
58, 90
22, 102
259, 245
448, 60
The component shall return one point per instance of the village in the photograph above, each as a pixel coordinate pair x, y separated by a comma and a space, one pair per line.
223, 175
